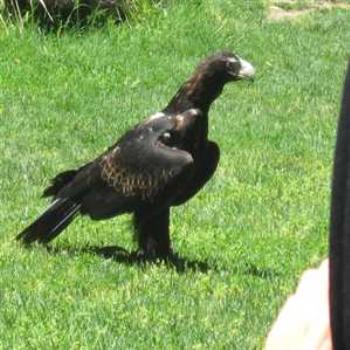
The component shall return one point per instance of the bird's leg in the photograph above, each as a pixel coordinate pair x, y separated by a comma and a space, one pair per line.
204, 171
152, 233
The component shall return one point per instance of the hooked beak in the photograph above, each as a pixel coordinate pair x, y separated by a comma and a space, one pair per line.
247, 70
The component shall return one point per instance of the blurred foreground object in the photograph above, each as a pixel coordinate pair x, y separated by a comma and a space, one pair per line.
303, 322
340, 229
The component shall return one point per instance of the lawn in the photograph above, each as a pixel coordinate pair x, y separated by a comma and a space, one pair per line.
243, 241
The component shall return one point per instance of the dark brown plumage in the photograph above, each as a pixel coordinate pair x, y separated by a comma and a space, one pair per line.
160, 163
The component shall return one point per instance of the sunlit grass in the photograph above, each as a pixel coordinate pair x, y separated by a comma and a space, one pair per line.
261, 220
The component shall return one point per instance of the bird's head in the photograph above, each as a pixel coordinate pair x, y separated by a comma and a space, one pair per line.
208, 80
226, 67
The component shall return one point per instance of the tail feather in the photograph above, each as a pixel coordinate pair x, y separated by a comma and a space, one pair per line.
61, 180
58, 182
51, 223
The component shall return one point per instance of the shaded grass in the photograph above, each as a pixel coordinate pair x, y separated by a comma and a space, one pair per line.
57, 16
258, 223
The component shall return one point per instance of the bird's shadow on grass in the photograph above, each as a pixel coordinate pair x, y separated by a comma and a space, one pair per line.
179, 263
121, 255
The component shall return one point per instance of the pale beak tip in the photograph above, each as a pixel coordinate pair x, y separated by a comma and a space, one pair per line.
247, 70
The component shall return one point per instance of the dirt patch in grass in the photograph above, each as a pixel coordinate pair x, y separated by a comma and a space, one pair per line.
290, 9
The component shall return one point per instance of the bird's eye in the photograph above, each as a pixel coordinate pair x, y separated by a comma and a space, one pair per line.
233, 66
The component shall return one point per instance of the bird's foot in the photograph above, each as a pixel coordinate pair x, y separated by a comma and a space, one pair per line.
151, 255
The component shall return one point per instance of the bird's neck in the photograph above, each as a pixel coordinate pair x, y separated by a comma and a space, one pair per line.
199, 92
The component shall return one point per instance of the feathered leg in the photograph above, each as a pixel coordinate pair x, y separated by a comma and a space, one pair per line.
152, 233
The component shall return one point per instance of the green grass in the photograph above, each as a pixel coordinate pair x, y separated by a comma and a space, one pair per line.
258, 224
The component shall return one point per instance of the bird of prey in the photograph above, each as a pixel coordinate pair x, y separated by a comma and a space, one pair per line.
160, 163
199, 92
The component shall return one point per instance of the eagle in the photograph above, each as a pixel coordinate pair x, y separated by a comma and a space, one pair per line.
160, 163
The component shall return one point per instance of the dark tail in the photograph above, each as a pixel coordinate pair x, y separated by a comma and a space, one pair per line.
58, 182
51, 223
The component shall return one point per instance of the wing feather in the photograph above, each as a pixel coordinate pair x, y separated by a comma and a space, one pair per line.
143, 170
